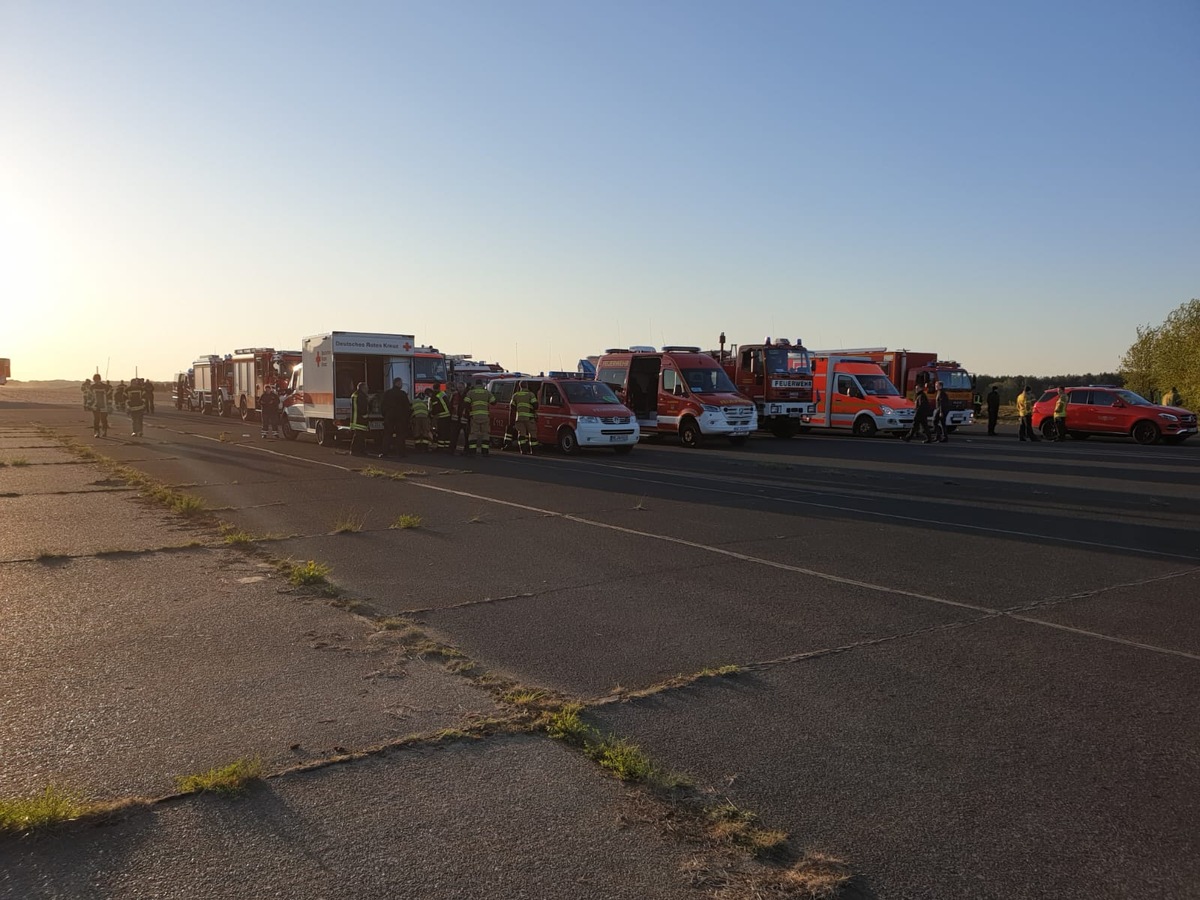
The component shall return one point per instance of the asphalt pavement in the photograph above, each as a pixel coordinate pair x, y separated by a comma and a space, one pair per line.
969, 669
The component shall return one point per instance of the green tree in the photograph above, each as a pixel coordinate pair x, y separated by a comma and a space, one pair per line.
1167, 356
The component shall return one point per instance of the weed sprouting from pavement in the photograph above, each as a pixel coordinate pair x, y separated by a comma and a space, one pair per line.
348, 521
54, 804
231, 779
186, 504
238, 538
406, 521
18, 461
311, 572
719, 672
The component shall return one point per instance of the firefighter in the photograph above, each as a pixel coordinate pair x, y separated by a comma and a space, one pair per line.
101, 402
135, 402
148, 389
268, 407
360, 401
86, 390
460, 417
397, 410
420, 420
478, 400
523, 407
941, 413
920, 416
1025, 413
119, 396
1060, 415
439, 409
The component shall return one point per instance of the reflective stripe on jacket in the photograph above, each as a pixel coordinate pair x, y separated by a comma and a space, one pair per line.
524, 402
420, 408
1060, 407
479, 399
359, 404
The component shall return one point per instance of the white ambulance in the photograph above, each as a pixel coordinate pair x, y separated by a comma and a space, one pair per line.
317, 400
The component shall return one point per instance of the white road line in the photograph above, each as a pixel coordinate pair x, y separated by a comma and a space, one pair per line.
757, 560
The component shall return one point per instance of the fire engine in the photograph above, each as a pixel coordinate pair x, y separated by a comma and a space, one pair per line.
429, 370
5, 371
777, 376
909, 368
253, 369
332, 364
463, 368
212, 385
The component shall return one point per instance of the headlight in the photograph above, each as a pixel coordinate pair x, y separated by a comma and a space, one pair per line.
589, 420
886, 410
711, 409
1168, 417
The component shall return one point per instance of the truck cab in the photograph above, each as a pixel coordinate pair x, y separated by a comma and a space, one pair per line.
854, 394
777, 376
678, 390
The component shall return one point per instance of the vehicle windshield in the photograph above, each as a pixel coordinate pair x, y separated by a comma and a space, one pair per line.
954, 381
784, 361
878, 385
709, 381
589, 392
1133, 399
429, 368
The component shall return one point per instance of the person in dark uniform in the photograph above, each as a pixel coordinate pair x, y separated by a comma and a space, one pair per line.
920, 416
397, 410
941, 413
439, 411
101, 403
135, 402
148, 393
993, 405
268, 410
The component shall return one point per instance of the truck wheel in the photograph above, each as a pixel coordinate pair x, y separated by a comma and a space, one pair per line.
568, 443
689, 433
864, 426
784, 428
326, 433
205, 408
288, 431
1145, 432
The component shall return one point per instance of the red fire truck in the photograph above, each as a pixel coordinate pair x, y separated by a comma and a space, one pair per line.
777, 376
212, 385
429, 369
908, 368
252, 370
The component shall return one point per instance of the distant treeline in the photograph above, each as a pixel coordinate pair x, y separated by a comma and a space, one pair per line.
1010, 385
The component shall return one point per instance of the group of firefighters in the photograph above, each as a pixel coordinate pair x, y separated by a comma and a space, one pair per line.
437, 419
101, 398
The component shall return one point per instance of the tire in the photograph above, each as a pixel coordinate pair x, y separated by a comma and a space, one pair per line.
326, 433
864, 426
568, 443
205, 408
689, 433
288, 431
1145, 432
784, 428
737, 440
1049, 432
623, 449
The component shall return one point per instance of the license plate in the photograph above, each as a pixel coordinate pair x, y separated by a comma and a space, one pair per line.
377, 426
739, 432
616, 438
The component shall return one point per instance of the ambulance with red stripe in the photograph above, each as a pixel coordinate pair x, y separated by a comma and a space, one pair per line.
317, 400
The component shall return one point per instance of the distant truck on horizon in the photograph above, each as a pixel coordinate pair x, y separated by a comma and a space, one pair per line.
5, 370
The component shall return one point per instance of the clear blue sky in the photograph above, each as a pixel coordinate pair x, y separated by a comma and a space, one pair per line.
1015, 184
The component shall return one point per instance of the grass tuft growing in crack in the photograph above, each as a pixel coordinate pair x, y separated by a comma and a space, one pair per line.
52, 806
228, 780
349, 521
739, 826
18, 461
406, 521
307, 573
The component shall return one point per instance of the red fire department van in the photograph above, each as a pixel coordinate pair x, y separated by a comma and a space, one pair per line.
574, 413
678, 390
854, 394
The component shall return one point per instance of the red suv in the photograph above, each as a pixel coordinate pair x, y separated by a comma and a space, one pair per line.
1102, 409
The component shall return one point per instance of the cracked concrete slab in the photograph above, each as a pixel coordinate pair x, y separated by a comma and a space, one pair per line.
125, 672
517, 817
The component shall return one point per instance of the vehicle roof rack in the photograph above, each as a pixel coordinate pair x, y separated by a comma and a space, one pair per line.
677, 348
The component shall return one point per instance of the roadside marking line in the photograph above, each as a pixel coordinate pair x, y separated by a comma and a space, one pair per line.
743, 557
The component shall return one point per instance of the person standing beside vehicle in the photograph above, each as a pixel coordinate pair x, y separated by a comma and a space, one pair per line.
1172, 398
920, 416
439, 409
420, 420
993, 406
523, 407
1025, 414
268, 408
397, 410
360, 402
1060, 415
478, 400
941, 411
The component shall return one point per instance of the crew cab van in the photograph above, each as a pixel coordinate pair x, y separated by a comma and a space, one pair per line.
854, 394
573, 413
678, 390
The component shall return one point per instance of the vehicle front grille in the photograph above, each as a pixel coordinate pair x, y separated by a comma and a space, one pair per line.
614, 420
